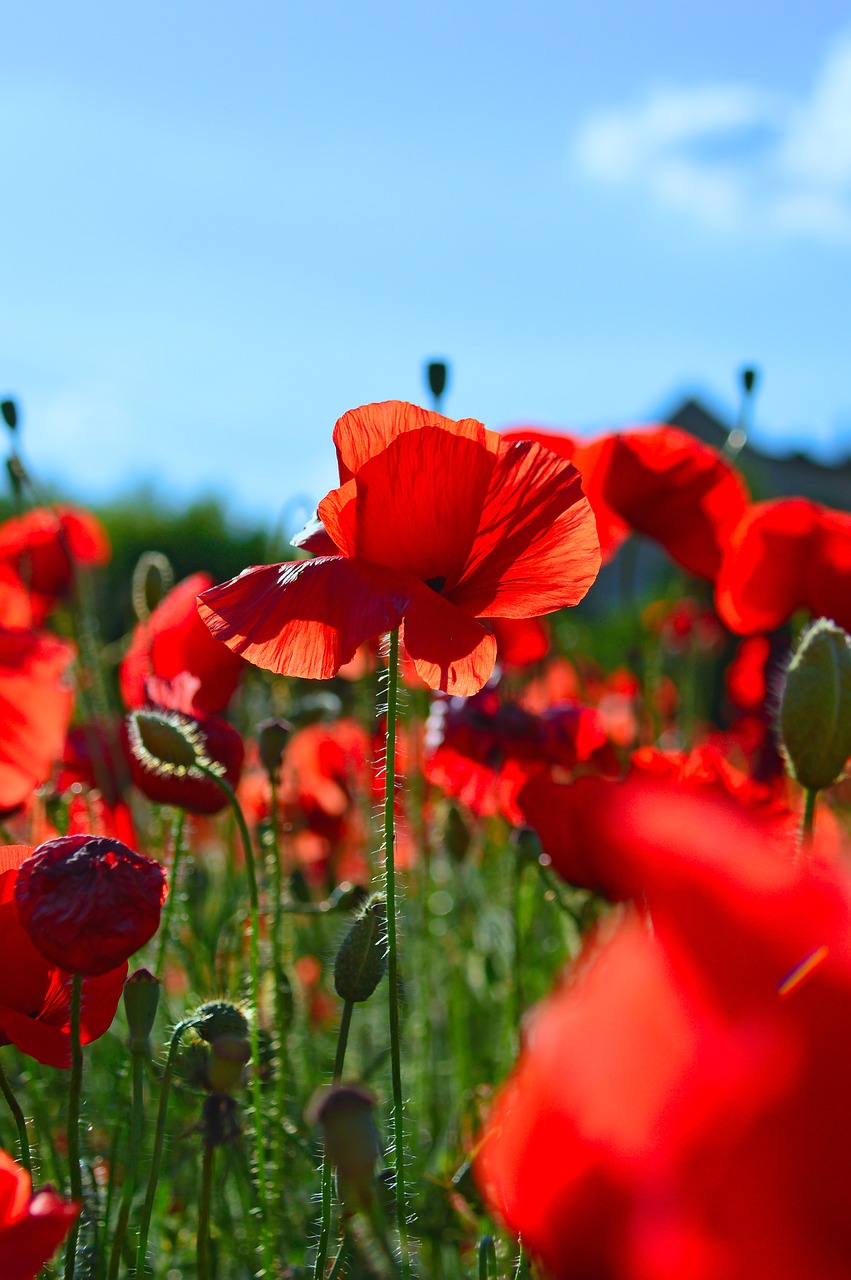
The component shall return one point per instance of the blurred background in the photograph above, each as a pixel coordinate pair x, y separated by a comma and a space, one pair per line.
225, 225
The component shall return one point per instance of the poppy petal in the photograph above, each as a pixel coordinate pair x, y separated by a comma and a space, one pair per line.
305, 617
415, 505
536, 548
450, 650
362, 433
35, 710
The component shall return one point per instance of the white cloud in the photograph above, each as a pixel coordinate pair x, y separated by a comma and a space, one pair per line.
735, 155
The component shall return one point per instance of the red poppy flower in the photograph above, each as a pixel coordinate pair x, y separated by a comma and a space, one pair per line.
35, 995
35, 709
680, 1108
45, 546
783, 556
520, 641
32, 1227
661, 482
437, 523
88, 903
174, 640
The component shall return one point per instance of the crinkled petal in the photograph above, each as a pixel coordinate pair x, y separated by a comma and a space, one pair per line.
414, 506
362, 433
536, 548
306, 617
450, 650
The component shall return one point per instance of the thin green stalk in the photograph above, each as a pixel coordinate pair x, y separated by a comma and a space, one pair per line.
321, 1258
809, 821
20, 1120
204, 1203
128, 1185
487, 1258
254, 1028
156, 1154
517, 920
169, 908
340, 1259
278, 971
392, 952
75, 1085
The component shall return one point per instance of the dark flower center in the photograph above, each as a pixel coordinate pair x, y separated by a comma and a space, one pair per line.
436, 584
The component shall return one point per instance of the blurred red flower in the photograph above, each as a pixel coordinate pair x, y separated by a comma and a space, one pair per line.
35, 995
45, 547
173, 640
786, 555
88, 902
36, 702
437, 523
520, 641
680, 1106
32, 1227
661, 482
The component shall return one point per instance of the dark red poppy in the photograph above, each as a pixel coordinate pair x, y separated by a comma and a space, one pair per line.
46, 546
32, 1226
661, 482
679, 1108
35, 995
88, 903
437, 523
36, 701
783, 556
174, 640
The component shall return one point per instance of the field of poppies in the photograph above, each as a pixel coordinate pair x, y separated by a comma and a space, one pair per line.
393, 911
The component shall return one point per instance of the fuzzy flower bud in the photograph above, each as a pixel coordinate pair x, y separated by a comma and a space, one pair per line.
272, 738
165, 742
141, 993
362, 958
219, 1018
815, 707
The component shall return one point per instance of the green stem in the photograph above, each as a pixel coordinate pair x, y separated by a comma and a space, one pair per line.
517, 919
487, 1258
20, 1121
340, 1259
169, 908
392, 951
809, 821
321, 1258
75, 1084
254, 1027
128, 1185
156, 1154
278, 971
204, 1202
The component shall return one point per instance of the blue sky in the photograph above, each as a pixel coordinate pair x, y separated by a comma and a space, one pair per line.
225, 225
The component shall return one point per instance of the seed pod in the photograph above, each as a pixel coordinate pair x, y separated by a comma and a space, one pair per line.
815, 707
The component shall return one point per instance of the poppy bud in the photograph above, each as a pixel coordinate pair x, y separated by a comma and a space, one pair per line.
219, 1018
362, 958
344, 1115
749, 377
436, 372
165, 742
9, 410
88, 902
141, 993
272, 738
153, 578
815, 706
228, 1056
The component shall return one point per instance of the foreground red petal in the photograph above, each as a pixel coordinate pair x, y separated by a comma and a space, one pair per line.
305, 617
415, 505
364, 432
536, 547
31, 1226
450, 650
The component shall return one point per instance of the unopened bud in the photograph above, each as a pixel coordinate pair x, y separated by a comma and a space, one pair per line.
219, 1018
141, 994
9, 410
272, 739
165, 742
344, 1113
815, 707
362, 958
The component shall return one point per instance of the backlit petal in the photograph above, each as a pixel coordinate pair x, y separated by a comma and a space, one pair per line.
306, 617
415, 505
536, 548
362, 433
450, 650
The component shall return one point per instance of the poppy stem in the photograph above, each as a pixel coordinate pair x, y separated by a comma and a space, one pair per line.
204, 1203
19, 1118
156, 1154
392, 951
808, 822
487, 1259
168, 909
128, 1185
253, 1026
280, 954
75, 1085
